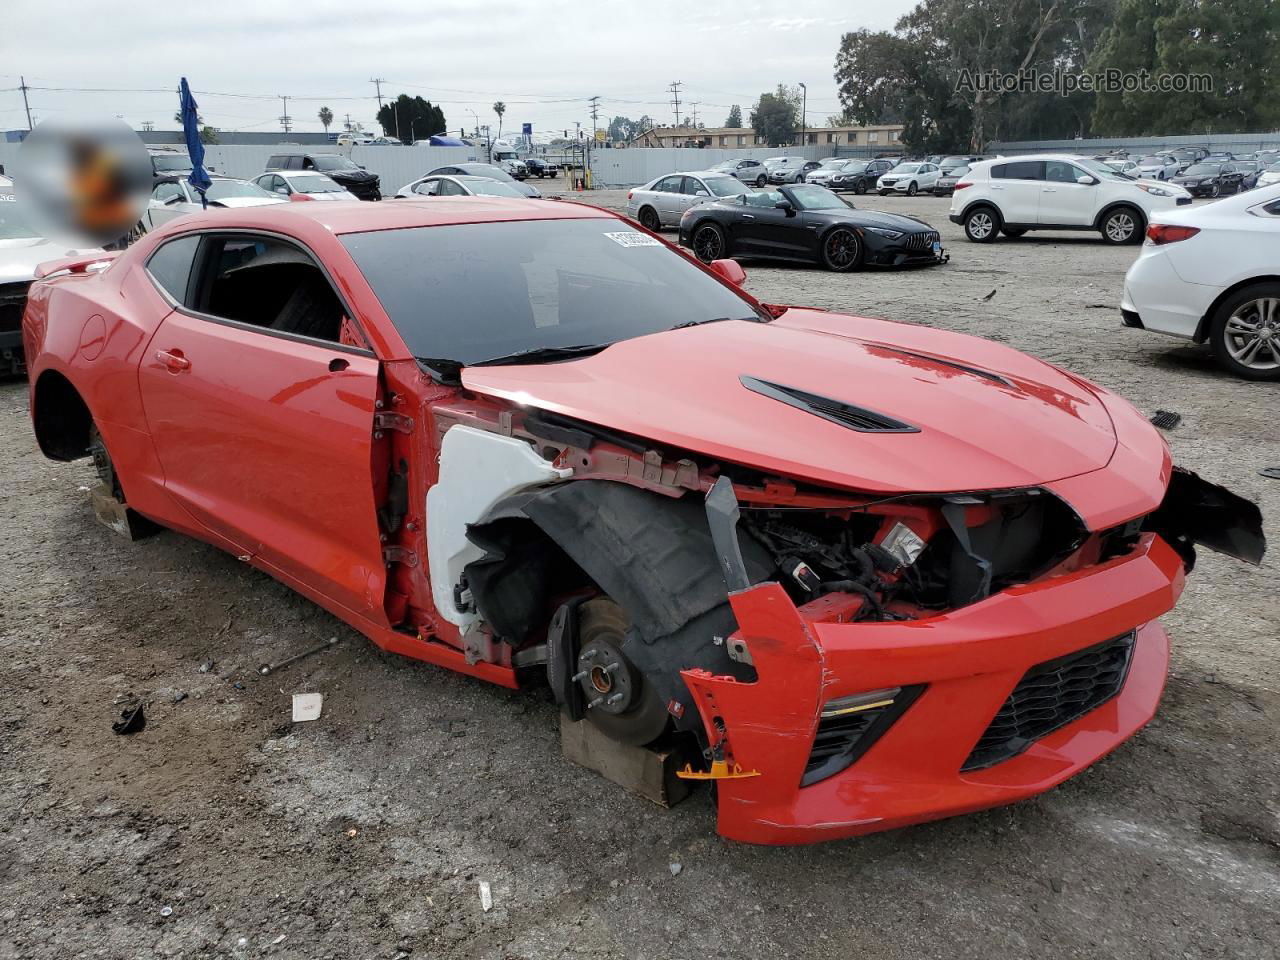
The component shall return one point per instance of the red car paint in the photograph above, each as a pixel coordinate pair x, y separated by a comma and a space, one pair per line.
270, 451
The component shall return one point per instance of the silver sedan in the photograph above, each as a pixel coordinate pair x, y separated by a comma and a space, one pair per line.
662, 202
438, 185
174, 196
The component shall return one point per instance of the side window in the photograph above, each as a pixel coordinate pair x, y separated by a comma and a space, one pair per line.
668, 185
275, 163
428, 188
1056, 171
170, 266
1019, 170
692, 185
267, 283
450, 189
303, 163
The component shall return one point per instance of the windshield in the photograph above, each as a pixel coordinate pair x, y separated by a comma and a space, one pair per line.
315, 183
484, 187
906, 168
725, 186
954, 161
486, 170
1099, 169
1197, 169
831, 163
472, 292
1151, 162
958, 171
855, 166
334, 163
1274, 168
726, 165
813, 197
12, 226
170, 161
222, 189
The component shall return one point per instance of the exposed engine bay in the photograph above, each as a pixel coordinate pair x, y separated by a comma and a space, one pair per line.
617, 580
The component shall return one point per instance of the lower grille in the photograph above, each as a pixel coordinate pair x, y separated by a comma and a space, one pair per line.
1052, 695
13, 298
850, 726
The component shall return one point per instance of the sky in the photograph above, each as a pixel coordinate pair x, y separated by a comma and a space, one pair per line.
544, 58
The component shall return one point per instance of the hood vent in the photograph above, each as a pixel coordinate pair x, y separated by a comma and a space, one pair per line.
954, 365
845, 414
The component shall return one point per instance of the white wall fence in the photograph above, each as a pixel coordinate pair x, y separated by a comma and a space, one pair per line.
1236, 143
395, 165
637, 165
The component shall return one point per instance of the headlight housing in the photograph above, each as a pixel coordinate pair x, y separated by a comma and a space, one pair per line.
887, 234
1155, 191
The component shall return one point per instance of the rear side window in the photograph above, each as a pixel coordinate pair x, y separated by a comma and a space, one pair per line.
276, 163
170, 266
1019, 170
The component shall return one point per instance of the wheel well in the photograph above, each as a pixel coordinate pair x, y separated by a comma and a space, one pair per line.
62, 419
975, 204
1112, 208
1202, 329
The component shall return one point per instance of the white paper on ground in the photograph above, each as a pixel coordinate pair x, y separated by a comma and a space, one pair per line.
486, 897
306, 706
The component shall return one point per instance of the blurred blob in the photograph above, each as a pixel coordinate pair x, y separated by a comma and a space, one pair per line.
84, 182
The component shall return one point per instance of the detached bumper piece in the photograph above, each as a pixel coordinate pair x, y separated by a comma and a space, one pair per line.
1051, 696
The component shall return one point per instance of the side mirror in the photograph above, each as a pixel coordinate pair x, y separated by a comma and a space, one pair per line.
729, 270
1086, 180
786, 206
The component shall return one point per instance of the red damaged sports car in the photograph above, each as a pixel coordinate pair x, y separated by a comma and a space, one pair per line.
870, 573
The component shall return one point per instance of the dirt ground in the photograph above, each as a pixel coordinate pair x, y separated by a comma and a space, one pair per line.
223, 830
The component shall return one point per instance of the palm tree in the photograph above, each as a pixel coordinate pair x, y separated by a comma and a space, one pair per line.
499, 108
326, 118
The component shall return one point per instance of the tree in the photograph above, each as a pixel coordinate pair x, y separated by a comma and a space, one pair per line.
499, 108
208, 135
1230, 42
776, 116
326, 118
734, 120
411, 118
622, 129
177, 117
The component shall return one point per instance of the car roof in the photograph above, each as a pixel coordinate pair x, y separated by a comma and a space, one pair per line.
359, 217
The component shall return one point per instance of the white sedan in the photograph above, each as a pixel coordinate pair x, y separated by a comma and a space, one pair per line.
437, 185
303, 185
174, 196
1207, 274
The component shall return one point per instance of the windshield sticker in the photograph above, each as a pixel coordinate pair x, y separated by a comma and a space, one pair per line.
630, 238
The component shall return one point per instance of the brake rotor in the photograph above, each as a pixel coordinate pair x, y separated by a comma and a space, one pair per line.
619, 701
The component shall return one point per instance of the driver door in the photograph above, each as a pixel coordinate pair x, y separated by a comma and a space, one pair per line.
768, 231
262, 417
1065, 201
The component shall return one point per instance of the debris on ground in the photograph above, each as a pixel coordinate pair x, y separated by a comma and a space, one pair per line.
675, 869
306, 706
1271, 473
132, 720
486, 896
1166, 419
989, 296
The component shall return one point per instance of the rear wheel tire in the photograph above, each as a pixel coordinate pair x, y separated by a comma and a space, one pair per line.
1122, 226
102, 463
708, 242
841, 250
649, 219
981, 224
1245, 332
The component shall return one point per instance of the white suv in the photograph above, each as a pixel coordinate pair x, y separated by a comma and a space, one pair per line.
1054, 192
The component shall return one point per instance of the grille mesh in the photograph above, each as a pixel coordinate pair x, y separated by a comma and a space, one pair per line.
1052, 695
922, 241
13, 297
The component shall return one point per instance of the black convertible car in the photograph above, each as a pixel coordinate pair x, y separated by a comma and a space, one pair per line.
809, 223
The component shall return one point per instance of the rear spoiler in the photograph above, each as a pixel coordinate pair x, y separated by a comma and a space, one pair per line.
79, 264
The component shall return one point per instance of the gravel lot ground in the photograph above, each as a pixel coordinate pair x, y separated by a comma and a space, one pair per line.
366, 833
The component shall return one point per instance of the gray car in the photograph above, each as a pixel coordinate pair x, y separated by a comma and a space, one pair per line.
748, 170
662, 202
790, 169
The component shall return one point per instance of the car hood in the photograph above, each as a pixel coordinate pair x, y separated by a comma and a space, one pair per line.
985, 416
877, 218
19, 258
350, 176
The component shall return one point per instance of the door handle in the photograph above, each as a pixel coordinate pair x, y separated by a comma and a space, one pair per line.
173, 359
1049, 190
748, 216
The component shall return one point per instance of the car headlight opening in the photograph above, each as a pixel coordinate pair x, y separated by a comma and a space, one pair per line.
887, 234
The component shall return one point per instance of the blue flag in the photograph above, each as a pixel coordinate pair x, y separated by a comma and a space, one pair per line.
195, 146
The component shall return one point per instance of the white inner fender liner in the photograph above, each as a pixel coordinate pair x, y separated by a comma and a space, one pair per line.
477, 470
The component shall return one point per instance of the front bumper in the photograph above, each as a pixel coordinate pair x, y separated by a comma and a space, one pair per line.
968, 660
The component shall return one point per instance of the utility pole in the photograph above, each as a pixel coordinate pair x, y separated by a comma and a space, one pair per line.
695, 114
377, 84
23, 81
285, 119
595, 114
804, 117
675, 97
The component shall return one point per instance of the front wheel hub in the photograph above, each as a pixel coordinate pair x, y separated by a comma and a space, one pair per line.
608, 680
